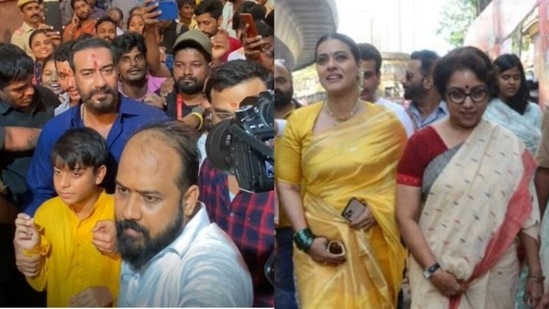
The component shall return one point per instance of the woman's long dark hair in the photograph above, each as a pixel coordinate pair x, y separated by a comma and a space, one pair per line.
519, 101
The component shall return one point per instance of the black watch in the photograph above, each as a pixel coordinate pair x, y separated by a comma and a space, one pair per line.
429, 272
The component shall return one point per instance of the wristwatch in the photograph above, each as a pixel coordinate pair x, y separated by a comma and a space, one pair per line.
428, 273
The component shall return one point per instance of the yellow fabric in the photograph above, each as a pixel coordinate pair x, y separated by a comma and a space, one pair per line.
72, 262
357, 159
283, 220
461, 198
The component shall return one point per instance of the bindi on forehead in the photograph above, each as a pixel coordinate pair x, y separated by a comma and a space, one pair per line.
233, 105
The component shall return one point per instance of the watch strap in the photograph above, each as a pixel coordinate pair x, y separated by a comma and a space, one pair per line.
428, 273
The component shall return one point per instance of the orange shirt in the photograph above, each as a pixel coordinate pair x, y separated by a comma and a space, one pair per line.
72, 33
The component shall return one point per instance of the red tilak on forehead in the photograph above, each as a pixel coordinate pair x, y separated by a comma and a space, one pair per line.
94, 59
466, 86
234, 104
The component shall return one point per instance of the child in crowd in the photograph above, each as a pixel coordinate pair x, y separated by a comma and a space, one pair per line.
79, 264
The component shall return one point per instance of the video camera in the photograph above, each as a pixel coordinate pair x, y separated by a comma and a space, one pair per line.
242, 146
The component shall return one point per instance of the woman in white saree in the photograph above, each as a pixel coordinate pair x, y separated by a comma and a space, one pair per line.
463, 200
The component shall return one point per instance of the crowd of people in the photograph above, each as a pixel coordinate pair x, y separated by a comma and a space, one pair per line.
107, 196
439, 204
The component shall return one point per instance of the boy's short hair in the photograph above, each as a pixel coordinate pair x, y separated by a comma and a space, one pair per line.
80, 148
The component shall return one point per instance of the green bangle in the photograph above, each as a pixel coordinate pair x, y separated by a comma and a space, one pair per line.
304, 239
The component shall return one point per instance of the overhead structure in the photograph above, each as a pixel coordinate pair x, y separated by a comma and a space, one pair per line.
298, 26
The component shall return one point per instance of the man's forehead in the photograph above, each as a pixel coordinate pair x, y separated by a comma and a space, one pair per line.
88, 57
18, 84
414, 64
368, 65
235, 94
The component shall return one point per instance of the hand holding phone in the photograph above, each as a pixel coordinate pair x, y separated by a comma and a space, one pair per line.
353, 210
358, 215
247, 19
168, 7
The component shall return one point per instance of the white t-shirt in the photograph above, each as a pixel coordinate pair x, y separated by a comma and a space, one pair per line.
201, 268
401, 114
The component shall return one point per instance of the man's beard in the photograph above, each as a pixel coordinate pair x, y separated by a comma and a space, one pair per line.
84, 16
138, 251
105, 106
282, 99
414, 93
195, 87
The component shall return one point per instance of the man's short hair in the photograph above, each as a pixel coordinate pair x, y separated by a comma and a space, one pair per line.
181, 3
104, 19
428, 59
117, 10
73, 2
233, 73
63, 52
124, 43
214, 7
15, 66
90, 43
183, 140
80, 148
370, 52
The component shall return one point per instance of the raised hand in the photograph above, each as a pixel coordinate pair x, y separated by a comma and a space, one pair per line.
220, 44
104, 237
26, 234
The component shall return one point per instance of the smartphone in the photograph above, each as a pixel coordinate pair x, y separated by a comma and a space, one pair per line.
336, 247
52, 15
246, 18
353, 209
168, 8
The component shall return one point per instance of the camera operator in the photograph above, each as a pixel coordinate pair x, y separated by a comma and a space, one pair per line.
247, 217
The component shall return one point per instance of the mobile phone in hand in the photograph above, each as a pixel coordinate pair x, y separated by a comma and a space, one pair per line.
353, 210
168, 8
247, 19
52, 14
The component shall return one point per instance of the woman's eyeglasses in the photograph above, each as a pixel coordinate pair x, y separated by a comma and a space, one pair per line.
458, 96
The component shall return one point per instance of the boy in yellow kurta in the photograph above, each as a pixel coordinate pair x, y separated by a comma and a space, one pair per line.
79, 266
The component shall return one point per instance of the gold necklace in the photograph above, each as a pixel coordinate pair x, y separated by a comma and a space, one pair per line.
344, 118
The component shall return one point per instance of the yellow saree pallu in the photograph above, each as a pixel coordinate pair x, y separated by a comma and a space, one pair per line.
357, 159
474, 210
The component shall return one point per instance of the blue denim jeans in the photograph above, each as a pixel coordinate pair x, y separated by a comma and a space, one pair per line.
284, 270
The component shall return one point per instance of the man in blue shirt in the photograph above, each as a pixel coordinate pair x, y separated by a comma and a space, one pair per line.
102, 108
426, 106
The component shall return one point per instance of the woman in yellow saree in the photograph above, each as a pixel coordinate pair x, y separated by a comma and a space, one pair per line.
463, 200
330, 153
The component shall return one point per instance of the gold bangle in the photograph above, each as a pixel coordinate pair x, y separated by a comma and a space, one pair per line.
200, 117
